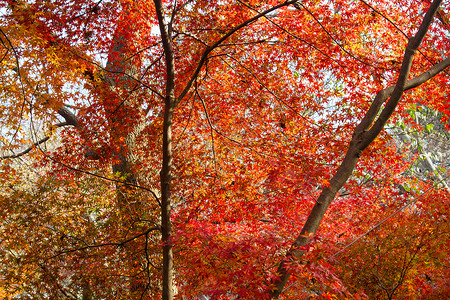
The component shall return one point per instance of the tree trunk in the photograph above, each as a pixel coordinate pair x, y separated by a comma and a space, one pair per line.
117, 95
166, 169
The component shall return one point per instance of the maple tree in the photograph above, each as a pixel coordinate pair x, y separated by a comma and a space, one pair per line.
179, 149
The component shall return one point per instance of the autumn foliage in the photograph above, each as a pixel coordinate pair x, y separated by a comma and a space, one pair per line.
190, 149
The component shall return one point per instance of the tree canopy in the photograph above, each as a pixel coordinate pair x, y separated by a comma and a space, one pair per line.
227, 149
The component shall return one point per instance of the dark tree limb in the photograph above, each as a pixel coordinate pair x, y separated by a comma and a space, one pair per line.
363, 135
16, 155
70, 117
216, 44
41, 141
122, 243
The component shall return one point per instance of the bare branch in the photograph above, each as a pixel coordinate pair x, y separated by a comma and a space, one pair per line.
41, 141
70, 117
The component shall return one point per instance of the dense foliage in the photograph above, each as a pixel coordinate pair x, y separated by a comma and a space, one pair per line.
190, 149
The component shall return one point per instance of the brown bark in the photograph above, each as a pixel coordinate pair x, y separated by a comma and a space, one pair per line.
87, 293
363, 135
166, 168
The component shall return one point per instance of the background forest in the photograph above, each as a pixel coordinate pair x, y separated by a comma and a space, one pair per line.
190, 149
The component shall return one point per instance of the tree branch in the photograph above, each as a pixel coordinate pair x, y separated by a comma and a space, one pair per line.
70, 117
208, 49
384, 94
41, 141
399, 88
146, 232
103, 177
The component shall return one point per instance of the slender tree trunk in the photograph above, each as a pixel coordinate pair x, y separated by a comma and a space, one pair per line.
166, 169
166, 224
367, 130
87, 294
